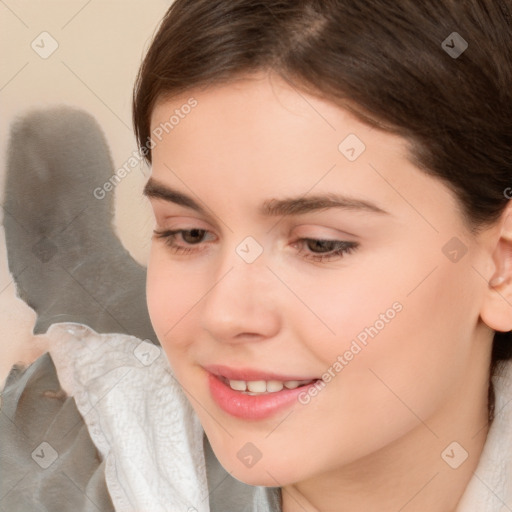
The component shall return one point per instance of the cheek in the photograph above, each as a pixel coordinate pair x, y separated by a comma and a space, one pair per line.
157, 294
171, 294
435, 297
417, 356
355, 301
397, 326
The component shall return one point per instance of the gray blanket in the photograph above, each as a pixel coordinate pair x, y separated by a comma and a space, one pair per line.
47, 459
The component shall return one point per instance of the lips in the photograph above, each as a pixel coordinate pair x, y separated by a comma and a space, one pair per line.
254, 395
249, 374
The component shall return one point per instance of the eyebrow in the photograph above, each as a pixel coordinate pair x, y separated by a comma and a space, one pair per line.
272, 207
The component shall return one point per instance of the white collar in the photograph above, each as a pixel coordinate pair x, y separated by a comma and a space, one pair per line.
490, 487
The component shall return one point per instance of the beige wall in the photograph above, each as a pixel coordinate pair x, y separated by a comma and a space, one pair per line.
100, 45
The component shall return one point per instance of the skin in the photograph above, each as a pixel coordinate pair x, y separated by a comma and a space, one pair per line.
372, 438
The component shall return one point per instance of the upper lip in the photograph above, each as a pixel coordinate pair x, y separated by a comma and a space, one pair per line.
251, 374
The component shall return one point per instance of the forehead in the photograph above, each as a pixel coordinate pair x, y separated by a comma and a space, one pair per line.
261, 109
261, 137
267, 90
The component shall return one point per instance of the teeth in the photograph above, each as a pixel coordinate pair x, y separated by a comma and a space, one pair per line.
262, 386
274, 385
238, 385
257, 386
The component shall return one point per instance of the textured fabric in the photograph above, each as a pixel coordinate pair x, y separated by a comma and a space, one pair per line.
157, 456
47, 459
138, 417
26, 487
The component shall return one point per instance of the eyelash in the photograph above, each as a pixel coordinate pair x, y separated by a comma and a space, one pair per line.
343, 247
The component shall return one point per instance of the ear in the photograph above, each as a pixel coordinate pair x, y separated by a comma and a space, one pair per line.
496, 310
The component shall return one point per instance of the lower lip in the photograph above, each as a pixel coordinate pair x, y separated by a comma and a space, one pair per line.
252, 407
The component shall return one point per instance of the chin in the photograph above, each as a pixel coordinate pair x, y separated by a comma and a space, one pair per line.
264, 472
259, 477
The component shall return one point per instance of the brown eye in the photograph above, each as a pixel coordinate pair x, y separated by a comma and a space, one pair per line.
182, 241
325, 250
320, 246
193, 236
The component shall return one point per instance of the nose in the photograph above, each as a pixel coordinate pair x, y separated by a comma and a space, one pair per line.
241, 304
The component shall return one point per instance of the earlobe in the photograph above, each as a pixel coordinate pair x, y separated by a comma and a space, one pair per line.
497, 307
496, 281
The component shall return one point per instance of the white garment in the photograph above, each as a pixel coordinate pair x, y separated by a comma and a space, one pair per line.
490, 488
141, 421
137, 416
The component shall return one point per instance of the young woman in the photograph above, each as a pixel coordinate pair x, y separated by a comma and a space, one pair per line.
331, 272
330, 277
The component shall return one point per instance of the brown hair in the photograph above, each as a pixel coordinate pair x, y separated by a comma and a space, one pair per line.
389, 62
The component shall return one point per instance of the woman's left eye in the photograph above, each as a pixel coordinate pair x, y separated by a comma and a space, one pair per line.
326, 250
317, 250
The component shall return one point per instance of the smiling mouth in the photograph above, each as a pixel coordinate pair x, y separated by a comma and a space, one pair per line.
257, 399
262, 387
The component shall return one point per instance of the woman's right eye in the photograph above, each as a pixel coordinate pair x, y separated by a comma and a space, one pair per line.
191, 237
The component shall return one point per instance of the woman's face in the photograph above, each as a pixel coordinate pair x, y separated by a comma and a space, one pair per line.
312, 250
